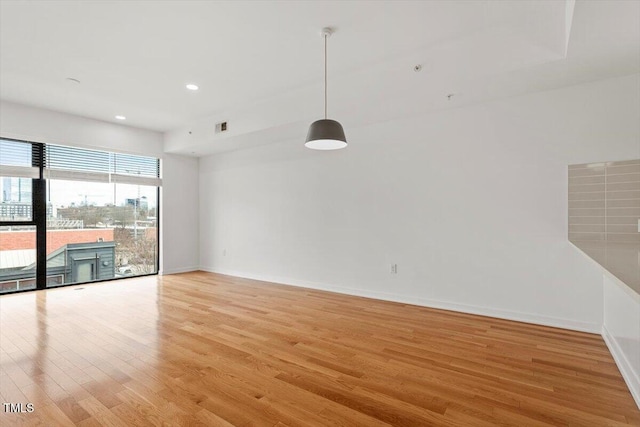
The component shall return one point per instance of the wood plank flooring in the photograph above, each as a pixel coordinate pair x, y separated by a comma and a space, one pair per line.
201, 349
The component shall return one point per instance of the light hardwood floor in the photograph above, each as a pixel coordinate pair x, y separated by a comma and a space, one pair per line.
212, 350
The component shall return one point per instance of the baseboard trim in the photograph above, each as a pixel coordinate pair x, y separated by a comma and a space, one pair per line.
179, 270
626, 369
594, 328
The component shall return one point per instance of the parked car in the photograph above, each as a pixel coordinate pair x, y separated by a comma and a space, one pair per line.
125, 270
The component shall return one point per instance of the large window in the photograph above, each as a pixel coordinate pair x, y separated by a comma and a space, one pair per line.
71, 215
17, 253
18, 170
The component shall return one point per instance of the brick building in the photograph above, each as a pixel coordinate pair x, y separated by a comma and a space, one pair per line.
20, 240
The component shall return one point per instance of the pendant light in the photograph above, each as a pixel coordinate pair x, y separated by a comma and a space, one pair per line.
325, 134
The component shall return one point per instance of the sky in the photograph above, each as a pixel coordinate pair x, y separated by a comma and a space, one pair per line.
63, 193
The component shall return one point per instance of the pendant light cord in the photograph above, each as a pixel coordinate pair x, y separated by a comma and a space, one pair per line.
325, 76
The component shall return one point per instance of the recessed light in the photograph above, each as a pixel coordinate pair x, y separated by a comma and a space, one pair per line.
121, 118
191, 86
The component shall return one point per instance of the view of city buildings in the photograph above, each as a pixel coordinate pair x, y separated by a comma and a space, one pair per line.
105, 233
15, 189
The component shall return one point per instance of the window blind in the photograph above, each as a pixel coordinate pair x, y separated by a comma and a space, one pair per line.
17, 159
80, 164
21, 159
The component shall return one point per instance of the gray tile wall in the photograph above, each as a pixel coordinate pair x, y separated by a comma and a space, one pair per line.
604, 201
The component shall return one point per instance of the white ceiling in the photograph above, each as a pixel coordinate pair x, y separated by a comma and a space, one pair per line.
259, 64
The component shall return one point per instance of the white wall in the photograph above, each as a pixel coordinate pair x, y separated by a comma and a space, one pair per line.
179, 222
179, 215
39, 125
471, 204
621, 330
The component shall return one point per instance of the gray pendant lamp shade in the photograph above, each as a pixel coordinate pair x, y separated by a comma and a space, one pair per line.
325, 134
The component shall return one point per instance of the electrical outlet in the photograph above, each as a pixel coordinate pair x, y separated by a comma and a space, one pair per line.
394, 268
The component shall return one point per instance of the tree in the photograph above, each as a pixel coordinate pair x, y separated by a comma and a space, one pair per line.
139, 254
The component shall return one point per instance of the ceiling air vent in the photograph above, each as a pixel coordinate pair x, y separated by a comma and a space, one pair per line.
221, 127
